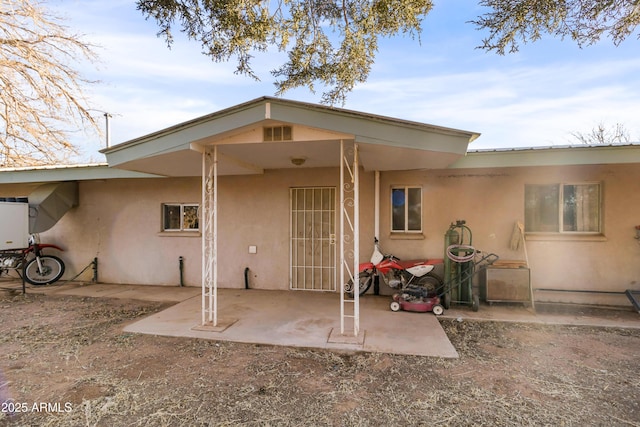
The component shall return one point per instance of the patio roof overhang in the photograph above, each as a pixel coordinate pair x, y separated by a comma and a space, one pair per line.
385, 143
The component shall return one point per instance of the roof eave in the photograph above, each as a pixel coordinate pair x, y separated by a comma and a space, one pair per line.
550, 156
60, 173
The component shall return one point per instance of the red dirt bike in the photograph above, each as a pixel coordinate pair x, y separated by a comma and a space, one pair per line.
37, 268
413, 278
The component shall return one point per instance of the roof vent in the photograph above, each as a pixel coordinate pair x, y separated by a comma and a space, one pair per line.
278, 133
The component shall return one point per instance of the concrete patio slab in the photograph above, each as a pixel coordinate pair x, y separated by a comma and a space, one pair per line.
304, 319
311, 319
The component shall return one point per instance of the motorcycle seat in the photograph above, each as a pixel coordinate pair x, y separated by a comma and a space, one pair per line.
413, 262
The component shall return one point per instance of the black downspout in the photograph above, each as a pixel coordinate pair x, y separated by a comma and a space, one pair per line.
246, 278
94, 279
181, 266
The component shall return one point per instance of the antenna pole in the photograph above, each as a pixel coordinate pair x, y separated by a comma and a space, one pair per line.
107, 116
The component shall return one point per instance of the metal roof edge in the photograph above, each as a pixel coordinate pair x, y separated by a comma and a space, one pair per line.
57, 173
182, 125
550, 156
377, 117
267, 99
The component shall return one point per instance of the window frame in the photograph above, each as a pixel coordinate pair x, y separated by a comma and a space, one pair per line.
182, 228
561, 209
406, 230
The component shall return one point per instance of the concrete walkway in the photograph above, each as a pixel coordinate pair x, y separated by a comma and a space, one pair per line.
312, 319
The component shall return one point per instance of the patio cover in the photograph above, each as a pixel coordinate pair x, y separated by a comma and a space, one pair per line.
385, 143
232, 142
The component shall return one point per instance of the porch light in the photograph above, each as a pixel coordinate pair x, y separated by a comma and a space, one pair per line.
298, 161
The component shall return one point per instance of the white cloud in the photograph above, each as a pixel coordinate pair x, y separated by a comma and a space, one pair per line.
521, 106
538, 96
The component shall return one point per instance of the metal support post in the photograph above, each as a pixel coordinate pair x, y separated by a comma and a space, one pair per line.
349, 237
209, 216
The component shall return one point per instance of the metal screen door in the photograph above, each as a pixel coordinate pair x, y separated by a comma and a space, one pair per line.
313, 238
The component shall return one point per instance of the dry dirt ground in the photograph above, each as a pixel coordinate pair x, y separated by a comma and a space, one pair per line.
67, 362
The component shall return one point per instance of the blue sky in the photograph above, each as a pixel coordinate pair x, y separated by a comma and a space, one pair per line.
536, 97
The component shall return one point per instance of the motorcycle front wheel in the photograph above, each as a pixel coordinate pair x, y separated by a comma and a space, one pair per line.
52, 270
365, 280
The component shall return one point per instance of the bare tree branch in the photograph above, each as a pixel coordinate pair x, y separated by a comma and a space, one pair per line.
41, 98
601, 135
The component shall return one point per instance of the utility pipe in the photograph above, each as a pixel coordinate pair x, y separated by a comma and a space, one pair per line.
94, 265
376, 205
376, 222
181, 267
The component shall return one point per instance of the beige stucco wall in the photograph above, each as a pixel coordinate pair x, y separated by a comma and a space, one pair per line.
118, 221
492, 200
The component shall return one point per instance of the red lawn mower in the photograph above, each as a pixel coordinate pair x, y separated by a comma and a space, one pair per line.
422, 303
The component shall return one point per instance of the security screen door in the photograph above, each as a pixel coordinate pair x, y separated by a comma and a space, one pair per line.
313, 246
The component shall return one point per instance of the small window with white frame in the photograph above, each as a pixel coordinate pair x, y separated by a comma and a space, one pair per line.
180, 217
406, 209
569, 208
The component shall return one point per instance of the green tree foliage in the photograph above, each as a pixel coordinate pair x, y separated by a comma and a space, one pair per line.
510, 22
332, 42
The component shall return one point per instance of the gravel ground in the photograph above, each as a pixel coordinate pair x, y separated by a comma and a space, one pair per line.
66, 362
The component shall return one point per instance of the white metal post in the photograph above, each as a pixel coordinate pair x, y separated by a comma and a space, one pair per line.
342, 261
356, 240
213, 309
349, 246
203, 223
209, 214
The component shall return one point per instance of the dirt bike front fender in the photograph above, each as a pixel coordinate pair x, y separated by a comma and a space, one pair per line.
365, 266
42, 246
49, 245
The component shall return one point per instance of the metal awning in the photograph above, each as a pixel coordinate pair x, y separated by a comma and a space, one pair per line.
385, 143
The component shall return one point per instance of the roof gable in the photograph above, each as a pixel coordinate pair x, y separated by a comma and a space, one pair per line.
386, 143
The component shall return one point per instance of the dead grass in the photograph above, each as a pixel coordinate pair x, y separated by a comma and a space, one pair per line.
72, 350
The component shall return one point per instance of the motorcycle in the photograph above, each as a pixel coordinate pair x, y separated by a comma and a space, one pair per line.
414, 279
38, 269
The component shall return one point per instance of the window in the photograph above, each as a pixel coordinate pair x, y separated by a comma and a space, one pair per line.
406, 209
563, 208
180, 217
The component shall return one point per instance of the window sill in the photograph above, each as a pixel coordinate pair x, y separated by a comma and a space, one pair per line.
406, 236
562, 237
179, 234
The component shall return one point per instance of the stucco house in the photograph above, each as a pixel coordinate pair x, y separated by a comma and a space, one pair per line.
293, 194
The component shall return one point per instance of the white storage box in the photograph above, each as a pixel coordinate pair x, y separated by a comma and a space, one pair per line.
14, 225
